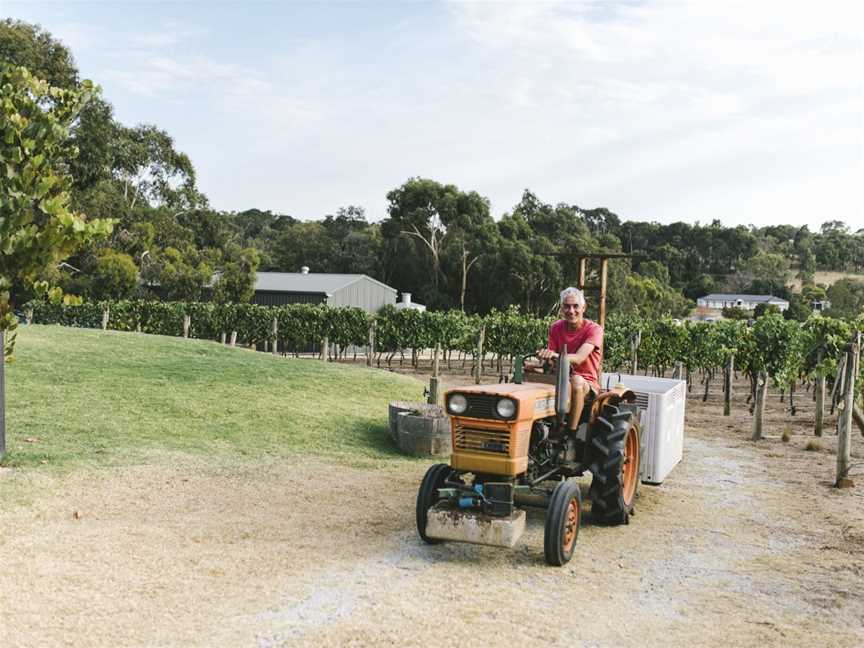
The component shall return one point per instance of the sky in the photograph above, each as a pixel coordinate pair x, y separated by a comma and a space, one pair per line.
747, 112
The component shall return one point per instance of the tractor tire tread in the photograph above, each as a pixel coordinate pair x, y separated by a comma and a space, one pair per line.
608, 438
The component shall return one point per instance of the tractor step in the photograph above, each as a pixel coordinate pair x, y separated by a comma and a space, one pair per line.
475, 527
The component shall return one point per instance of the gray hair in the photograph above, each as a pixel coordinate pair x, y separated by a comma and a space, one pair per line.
573, 292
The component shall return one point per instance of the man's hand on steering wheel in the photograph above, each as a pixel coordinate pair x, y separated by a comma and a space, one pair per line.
547, 354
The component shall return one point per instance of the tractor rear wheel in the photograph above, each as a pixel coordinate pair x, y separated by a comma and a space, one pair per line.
428, 495
615, 450
562, 523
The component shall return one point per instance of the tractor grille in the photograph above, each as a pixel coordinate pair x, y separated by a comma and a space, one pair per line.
481, 406
476, 440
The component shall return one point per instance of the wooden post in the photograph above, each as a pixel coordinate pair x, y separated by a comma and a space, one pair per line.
187, 323
792, 408
222, 338
678, 371
106, 314
233, 341
28, 316
275, 333
820, 397
433, 390
635, 343
604, 271
370, 347
858, 417
728, 372
478, 367
437, 352
325, 348
837, 391
582, 267
844, 420
759, 412
2, 394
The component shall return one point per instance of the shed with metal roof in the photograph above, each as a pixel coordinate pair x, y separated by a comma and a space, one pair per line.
359, 290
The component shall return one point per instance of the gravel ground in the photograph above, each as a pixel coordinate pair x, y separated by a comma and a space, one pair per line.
745, 544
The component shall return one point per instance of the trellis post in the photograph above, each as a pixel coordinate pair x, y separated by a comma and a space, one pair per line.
478, 367
370, 350
844, 420
759, 412
2, 393
820, 394
433, 381
727, 385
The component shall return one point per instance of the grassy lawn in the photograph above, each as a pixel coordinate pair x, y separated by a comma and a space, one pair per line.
78, 396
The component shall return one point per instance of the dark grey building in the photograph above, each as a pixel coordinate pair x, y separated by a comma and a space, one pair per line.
278, 288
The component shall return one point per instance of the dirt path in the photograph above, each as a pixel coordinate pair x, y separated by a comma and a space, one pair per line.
745, 545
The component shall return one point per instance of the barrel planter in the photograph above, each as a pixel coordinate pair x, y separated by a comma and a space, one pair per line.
424, 431
397, 408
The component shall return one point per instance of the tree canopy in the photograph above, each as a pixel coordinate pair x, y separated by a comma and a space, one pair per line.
438, 241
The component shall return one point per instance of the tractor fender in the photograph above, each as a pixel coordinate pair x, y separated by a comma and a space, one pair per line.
611, 397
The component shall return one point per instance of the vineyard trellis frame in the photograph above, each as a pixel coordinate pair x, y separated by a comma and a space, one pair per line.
600, 286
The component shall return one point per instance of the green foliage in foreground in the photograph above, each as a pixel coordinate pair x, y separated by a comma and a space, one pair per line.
84, 396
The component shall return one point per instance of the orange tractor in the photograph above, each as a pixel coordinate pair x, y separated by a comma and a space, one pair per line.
512, 448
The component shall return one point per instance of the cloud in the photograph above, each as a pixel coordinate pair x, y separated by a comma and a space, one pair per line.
661, 109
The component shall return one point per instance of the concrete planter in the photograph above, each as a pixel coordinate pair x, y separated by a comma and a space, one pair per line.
422, 430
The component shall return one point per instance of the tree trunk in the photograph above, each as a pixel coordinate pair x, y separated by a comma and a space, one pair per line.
466, 266
325, 348
708, 376
106, 315
233, 341
759, 412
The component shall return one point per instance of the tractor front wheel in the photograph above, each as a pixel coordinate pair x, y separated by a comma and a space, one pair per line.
428, 495
615, 450
562, 523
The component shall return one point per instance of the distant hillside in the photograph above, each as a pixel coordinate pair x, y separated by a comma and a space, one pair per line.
826, 278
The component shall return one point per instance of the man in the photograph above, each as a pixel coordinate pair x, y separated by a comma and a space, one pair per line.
584, 340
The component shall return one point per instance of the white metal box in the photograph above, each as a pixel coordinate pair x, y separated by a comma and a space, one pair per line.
661, 408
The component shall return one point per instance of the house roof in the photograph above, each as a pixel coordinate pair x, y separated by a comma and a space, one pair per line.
744, 298
320, 282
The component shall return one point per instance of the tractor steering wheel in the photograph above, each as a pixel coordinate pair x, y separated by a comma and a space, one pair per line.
546, 367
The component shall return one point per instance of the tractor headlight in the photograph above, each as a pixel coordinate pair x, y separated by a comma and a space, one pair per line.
506, 408
457, 404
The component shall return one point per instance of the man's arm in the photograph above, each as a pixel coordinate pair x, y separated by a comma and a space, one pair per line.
576, 359
581, 354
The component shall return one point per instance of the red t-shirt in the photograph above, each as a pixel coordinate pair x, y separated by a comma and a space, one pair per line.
590, 332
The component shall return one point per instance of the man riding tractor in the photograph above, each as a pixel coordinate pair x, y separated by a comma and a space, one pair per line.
521, 443
575, 332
